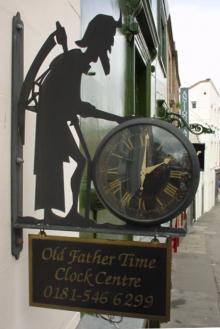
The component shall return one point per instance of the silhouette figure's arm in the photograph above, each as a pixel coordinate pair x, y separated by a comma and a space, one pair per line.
87, 110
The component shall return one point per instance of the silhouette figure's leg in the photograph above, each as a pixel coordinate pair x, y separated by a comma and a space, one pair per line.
88, 158
76, 180
77, 175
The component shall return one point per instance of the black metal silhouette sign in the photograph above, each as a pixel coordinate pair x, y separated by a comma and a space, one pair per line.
55, 97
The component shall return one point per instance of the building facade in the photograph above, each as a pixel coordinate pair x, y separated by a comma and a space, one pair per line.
204, 108
173, 72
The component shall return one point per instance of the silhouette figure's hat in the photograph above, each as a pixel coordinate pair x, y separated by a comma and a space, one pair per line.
100, 30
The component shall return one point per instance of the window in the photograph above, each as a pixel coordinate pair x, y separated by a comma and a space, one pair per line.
142, 86
141, 51
162, 35
194, 104
154, 10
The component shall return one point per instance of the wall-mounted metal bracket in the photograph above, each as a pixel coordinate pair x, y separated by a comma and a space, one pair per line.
195, 128
130, 26
16, 144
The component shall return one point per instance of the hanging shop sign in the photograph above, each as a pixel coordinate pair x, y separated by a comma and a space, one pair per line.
144, 171
97, 276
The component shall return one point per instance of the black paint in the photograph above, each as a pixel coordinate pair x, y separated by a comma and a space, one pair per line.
16, 142
55, 97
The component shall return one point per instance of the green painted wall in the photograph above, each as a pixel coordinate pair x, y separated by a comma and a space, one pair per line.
106, 93
126, 90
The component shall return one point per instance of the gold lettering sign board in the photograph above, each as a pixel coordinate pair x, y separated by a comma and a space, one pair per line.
97, 276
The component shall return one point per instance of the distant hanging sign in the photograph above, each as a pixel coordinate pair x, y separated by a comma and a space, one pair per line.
184, 95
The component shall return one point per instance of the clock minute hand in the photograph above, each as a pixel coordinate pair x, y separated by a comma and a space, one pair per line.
142, 172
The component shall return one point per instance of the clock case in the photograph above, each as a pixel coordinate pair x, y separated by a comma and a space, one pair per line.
183, 204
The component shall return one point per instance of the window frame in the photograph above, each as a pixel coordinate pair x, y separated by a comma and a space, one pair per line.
162, 33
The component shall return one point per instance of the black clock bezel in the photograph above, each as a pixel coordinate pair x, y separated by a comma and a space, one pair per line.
183, 204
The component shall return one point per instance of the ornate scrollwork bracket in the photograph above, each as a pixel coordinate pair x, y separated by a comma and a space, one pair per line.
131, 27
179, 122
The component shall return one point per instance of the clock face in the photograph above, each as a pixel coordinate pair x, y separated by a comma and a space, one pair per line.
146, 171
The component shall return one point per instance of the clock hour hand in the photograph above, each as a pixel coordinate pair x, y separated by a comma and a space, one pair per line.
149, 169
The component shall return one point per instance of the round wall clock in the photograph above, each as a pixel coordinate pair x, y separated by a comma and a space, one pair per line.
146, 171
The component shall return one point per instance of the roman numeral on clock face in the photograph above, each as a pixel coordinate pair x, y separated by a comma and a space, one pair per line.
177, 174
159, 202
144, 139
141, 205
128, 143
126, 198
170, 190
110, 171
115, 186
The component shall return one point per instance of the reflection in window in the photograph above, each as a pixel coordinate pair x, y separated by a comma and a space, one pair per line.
162, 35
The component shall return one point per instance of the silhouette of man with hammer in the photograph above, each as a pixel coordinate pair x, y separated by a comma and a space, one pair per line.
57, 102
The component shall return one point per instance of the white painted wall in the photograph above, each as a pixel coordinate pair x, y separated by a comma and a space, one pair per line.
207, 111
39, 19
198, 197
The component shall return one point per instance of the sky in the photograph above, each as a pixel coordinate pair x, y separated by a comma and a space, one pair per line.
196, 32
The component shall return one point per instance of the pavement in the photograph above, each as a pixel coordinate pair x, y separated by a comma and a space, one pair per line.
195, 294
